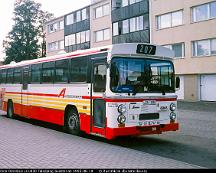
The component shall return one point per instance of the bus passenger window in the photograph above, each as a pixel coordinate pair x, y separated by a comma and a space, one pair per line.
99, 78
48, 72
61, 71
36, 73
17, 76
79, 69
3, 76
10, 75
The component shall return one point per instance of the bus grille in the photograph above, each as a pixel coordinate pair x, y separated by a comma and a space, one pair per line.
151, 116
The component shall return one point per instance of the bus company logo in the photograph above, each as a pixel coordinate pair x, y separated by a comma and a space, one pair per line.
62, 93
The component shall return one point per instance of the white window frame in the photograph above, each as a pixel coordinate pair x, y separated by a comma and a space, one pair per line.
159, 21
195, 48
70, 19
103, 13
103, 35
170, 46
209, 17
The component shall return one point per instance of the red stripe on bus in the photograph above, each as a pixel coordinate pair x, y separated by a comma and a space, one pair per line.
94, 97
140, 100
34, 94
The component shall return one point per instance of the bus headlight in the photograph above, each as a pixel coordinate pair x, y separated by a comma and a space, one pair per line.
122, 109
173, 107
121, 119
172, 116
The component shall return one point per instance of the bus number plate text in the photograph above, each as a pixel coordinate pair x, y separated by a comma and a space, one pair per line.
146, 49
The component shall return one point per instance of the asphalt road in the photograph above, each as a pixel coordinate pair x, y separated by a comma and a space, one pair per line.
194, 143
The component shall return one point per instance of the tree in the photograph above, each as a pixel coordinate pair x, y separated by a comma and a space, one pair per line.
26, 40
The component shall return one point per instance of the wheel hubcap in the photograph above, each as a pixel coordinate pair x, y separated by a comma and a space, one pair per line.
72, 122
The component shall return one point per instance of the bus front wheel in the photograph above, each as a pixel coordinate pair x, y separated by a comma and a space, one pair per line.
10, 109
72, 122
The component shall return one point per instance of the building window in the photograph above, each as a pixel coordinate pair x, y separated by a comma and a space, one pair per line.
61, 25
84, 14
136, 24
204, 12
78, 16
102, 35
70, 19
124, 3
53, 27
130, 25
115, 29
56, 26
52, 46
55, 46
204, 47
129, 2
125, 26
80, 37
87, 36
102, 11
178, 48
170, 19
61, 44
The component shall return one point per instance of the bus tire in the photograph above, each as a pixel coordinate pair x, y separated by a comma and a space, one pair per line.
72, 123
10, 109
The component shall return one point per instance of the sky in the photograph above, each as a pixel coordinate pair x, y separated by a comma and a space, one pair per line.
57, 7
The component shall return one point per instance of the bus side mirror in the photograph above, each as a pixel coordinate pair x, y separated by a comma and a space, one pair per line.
177, 83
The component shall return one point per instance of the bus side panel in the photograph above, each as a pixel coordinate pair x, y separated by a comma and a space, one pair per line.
85, 121
45, 114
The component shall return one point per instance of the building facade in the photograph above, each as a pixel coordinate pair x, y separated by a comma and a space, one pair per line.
130, 20
54, 36
101, 25
188, 28
77, 30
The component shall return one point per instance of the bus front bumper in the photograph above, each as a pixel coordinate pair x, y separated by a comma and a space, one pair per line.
140, 130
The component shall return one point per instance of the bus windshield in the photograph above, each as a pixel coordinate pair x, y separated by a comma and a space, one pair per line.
141, 75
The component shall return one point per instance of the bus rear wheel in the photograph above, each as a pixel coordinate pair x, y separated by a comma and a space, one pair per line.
72, 122
10, 109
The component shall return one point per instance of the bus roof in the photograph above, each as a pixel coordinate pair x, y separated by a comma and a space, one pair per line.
124, 48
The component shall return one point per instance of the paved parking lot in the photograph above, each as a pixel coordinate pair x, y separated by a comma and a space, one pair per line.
23, 145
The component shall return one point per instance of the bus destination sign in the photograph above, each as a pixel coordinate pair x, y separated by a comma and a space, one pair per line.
146, 49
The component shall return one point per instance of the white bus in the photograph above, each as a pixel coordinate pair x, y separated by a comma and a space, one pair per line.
118, 90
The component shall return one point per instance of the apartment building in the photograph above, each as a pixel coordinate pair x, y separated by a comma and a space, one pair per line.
188, 28
101, 24
77, 30
55, 36
130, 20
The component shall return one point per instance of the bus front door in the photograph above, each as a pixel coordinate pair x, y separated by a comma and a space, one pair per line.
24, 93
98, 104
